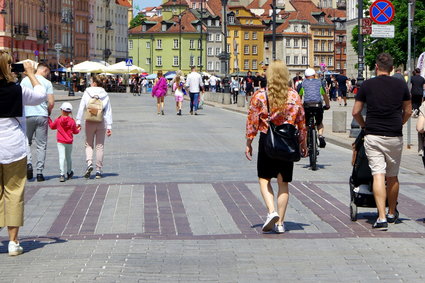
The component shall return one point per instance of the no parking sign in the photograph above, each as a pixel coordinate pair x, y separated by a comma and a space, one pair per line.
382, 12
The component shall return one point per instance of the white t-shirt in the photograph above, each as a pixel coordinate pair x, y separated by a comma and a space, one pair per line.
194, 81
213, 80
13, 140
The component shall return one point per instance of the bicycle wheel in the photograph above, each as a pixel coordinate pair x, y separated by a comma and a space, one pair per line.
313, 149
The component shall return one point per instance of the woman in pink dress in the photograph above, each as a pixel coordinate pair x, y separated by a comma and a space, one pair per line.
159, 90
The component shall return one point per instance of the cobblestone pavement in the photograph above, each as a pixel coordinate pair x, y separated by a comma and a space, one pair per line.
180, 203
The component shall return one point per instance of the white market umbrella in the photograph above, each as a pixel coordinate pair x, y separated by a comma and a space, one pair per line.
88, 67
122, 68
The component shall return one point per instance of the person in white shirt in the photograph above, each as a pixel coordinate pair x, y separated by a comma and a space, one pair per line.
213, 83
13, 146
194, 84
37, 125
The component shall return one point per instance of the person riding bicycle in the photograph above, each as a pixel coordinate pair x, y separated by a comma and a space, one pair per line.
313, 91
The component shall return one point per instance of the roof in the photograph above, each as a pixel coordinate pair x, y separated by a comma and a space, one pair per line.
175, 3
124, 3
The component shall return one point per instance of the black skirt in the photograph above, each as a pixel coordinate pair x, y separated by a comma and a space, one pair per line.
268, 168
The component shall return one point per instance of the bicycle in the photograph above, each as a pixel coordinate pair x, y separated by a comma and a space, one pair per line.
312, 136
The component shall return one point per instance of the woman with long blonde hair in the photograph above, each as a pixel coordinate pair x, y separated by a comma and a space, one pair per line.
285, 107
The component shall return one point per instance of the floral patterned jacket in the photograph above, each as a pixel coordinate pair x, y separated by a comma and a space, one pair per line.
293, 114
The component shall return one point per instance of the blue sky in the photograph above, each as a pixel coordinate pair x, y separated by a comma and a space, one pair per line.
146, 3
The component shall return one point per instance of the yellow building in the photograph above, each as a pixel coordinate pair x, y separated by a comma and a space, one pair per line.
245, 40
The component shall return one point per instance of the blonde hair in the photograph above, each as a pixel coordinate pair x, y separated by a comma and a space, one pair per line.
277, 84
177, 81
5, 69
98, 80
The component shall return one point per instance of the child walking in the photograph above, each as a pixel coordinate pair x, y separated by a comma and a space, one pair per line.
178, 93
66, 127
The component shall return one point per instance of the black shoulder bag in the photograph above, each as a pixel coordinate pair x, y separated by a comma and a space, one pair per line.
282, 141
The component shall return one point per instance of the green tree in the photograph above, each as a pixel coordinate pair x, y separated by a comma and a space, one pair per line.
396, 46
137, 21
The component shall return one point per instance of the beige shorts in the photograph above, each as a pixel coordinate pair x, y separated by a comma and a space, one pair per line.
384, 154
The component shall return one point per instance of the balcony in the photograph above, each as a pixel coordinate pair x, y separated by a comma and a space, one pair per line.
341, 4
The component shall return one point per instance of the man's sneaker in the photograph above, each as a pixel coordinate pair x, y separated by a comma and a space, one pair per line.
280, 229
98, 175
162, 112
88, 171
30, 173
322, 142
70, 175
381, 226
272, 218
392, 218
14, 248
40, 178
62, 178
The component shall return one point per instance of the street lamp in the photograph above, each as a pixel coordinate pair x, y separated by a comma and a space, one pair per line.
12, 32
224, 56
341, 40
45, 28
68, 18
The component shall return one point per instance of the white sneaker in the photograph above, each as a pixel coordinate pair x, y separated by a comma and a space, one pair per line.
272, 218
15, 248
280, 229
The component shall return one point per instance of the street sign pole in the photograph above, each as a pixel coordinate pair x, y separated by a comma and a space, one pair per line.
409, 65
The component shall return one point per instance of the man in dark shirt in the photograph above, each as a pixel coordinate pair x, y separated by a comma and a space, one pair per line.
342, 88
398, 74
249, 81
388, 108
417, 90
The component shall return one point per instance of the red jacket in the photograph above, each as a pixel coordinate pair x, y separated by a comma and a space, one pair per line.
66, 128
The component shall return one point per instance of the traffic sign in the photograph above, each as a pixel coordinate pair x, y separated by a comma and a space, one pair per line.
58, 46
366, 22
382, 12
36, 52
129, 62
382, 31
366, 29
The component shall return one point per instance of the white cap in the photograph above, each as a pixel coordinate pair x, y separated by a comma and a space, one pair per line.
309, 72
66, 106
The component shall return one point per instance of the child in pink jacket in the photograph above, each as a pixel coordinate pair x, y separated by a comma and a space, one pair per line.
66, 128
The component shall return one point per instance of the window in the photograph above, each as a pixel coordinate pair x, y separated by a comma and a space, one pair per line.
217, 51
231, 19
210, 66
295, 28
228, 33
192, 61
148, 61
267, 61
254, 35
322, 32
210, 37
199, 44
304, 60
322, 46
164, 27
329, 32
130, 44
288, 60
236, 33
175, 43
209, 22
210, 51
330, 46
296, 40
192, 45
246, 35
288, 42
246, 64
254, 64
143, 27
193, 5
228, 48
148, 44
159, 45
199, 61
303, 28
316, 61
159, 60
330, 61
254, 50
217, 66
316, 45
246, 50
217, 23
217, 37
266, 44
296, 60
338, 66
175, 60
304, 42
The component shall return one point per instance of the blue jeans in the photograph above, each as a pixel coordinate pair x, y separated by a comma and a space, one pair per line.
213, 88
194, 100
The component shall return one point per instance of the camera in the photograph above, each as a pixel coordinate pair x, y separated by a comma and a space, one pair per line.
18, 68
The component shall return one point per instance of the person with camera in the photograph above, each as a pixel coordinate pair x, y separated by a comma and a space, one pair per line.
37, 125
313, 91
13, 145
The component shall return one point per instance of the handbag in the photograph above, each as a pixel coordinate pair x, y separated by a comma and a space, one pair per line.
282, 141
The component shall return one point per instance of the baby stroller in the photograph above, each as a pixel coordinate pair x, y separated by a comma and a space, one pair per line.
361, 179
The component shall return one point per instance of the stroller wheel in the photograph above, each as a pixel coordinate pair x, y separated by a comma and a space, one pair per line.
353, 211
